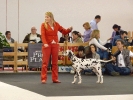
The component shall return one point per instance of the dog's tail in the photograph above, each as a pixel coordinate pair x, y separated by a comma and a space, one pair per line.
106, 60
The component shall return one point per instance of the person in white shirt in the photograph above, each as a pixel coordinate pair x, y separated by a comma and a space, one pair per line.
94, 22
101, 50
122, 61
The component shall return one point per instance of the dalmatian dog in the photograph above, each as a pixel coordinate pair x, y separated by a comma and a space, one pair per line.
81, 64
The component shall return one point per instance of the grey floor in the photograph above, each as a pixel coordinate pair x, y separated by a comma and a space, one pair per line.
31, 81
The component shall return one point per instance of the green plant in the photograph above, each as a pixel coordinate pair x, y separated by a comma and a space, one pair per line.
3, 41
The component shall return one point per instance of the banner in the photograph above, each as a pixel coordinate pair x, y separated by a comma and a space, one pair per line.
35, 55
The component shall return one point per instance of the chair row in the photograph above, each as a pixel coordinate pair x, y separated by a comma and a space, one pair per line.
62, 61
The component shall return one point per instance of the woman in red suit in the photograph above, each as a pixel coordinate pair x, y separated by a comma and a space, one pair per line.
49, 36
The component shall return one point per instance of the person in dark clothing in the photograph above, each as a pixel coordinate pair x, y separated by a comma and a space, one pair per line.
64, 38
80, 53
32, 37
117, 29
123, 36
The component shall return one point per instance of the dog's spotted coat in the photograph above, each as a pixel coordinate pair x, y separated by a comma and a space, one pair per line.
80, 64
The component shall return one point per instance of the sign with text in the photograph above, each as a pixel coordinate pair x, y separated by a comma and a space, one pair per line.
35, 55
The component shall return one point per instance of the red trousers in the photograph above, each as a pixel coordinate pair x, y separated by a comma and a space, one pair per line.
52, 50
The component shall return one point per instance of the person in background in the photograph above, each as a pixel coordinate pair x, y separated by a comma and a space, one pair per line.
124, 36
50, 45
64, 38
32, 37
76, 37
101, 50
87, 32
8, 49
9, 40
93, 52
94, 22
8, 37
80, 53
117, 30
122, 61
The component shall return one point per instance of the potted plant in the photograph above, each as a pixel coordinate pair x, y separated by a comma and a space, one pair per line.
3, 43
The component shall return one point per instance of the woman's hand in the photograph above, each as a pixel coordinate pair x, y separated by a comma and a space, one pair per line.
130, 39
71, 28
109, 39
45, 45
113, 58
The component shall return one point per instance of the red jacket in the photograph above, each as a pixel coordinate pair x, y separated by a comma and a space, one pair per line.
48, 35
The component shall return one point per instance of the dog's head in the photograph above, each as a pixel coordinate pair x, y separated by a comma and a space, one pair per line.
68, 53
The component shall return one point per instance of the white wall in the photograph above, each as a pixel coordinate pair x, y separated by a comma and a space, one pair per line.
67, 13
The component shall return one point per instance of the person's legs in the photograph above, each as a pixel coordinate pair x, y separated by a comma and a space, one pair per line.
112, 69
103, 70
109, 67
45, 59
100, 54
49, 64
103, 54
125, 71
54, 52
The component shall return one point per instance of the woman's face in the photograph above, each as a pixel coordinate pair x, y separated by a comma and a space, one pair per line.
92, 49
47, 19
74, 36
98, 35
115, 29
80, 53
85, 27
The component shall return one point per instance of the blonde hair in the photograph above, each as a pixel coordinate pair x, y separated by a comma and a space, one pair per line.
51, 16
94, 34
87, 25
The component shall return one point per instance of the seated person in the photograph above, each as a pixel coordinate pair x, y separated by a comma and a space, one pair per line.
122, 61
80, 53
32, 37
8, 37
101, 50
64, 38
76, 37
93, 52
117, 30
123, 35
9, 40
87, 32
8, 49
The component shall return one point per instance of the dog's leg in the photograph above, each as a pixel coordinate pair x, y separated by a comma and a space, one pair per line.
100, 76
80, 79
75, 77
95, 69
